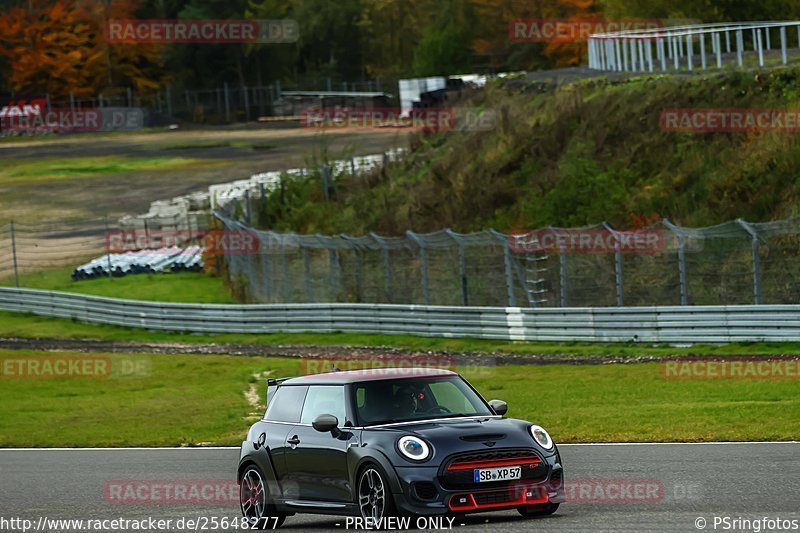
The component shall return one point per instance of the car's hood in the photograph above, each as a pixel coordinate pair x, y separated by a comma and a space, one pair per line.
448, 436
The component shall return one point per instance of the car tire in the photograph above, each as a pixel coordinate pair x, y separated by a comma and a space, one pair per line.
375, 499
545, 509
254, 500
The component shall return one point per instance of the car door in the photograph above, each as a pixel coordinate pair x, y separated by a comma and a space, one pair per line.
283, 413
316, 462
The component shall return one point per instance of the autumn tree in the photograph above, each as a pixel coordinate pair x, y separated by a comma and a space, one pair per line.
59, 47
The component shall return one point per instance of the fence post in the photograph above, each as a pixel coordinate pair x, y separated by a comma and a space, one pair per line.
682, 270
326, 181
624, 48
703, 61
227, 103
509, 267
756, 259
266, 269
760, 49
14, 255
423, 266
684, 286
359, 279
285, 266
675, 57
783, 44
617, 265
108, 251
169, 102
332, 263
563, 275
246, 104
739, 46
307, 274
387, 266
462, 267
357, 264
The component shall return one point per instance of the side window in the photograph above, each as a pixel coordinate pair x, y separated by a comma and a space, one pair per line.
324, 400
447, 395
285, 404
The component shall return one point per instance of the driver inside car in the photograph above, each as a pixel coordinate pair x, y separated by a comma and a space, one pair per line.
407, 402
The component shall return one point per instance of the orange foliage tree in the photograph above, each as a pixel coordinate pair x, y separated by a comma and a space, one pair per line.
58, 47
497, 14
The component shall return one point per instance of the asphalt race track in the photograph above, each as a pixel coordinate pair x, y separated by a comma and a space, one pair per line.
660, 487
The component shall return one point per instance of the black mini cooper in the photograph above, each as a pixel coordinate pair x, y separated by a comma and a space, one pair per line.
382, 443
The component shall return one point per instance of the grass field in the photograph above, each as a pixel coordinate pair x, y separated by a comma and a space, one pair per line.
177, 287
31, 171
56, 178
200, 400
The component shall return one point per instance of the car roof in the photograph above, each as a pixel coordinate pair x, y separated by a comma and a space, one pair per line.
371, 374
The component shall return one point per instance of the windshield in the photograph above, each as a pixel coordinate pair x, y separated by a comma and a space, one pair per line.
405, 400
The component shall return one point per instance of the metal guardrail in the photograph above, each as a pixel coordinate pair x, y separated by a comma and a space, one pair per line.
679, 47
700, 324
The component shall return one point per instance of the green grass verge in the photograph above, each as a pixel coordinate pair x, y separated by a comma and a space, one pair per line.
29, 326
195, 400
178, 287
29, 171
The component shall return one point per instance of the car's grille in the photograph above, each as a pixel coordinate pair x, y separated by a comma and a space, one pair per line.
425, 490
514, 495
490, 498
457, 471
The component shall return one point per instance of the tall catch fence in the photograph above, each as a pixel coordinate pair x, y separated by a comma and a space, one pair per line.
734, 263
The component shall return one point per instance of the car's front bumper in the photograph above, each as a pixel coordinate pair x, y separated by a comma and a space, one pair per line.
438, 499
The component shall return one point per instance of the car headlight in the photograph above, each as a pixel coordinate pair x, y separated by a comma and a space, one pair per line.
414, 448
542, 437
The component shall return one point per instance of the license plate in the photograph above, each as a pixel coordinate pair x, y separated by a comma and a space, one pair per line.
505, 473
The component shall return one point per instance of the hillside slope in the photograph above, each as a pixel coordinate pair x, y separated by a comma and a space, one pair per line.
585, 152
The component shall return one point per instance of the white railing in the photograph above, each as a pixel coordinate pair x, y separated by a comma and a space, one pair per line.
689, 47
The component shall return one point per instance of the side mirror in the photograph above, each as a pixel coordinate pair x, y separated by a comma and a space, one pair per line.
499, 407
326, 424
